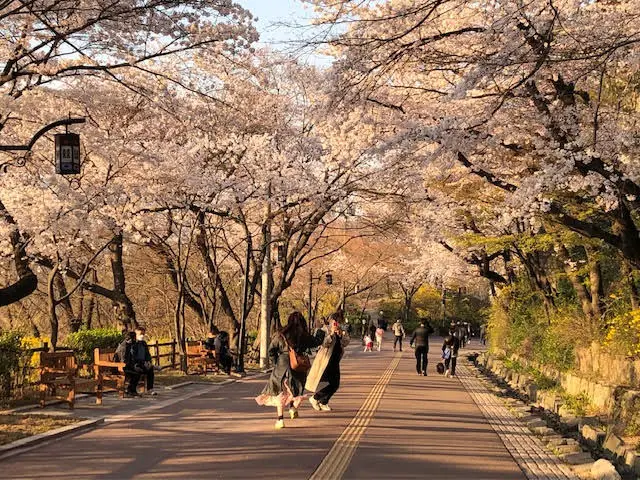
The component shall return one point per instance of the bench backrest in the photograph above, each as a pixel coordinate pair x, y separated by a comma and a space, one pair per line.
103, 355
58, 361
194, 348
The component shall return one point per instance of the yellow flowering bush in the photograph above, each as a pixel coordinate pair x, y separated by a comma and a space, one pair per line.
623, 334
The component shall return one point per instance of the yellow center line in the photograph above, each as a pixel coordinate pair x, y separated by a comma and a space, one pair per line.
336, 462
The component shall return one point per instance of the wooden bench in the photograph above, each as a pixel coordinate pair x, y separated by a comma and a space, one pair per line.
59, 370
200, 358
107, 370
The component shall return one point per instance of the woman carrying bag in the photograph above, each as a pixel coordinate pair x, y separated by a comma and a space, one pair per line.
288, 352
326, 365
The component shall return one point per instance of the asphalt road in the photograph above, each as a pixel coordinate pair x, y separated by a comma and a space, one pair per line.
397, 425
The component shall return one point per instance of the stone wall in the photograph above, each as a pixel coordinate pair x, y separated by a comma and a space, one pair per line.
595, 362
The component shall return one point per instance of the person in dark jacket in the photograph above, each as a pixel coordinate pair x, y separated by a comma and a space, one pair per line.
420, 340
221, 345
450, 348
285, 386
137, 363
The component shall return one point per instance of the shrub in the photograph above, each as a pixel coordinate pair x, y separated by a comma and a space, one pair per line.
10, 355
84, 341
623, 334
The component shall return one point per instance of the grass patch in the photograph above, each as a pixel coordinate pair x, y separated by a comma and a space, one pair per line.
14, 427
577, 404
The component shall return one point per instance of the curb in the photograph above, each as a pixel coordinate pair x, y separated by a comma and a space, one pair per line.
15, 448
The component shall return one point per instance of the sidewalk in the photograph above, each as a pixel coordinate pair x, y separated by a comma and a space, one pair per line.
390, 423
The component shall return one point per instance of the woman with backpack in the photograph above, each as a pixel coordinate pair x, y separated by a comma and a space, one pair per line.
289, 354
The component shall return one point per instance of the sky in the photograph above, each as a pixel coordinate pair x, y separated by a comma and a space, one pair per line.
275, 18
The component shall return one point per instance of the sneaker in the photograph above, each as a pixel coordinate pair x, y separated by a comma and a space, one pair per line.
279, 424
152, 392
419, 374
314, 403
425, 374
131, 395
447, 373
324, 408
293, 413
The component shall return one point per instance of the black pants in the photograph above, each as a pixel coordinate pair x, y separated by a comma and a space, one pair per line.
451, 362
421, 359
396, 341
133, 378
331, 375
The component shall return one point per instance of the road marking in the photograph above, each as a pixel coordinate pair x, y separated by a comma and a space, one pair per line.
336, 462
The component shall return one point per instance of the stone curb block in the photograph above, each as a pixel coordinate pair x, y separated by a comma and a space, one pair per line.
14, 447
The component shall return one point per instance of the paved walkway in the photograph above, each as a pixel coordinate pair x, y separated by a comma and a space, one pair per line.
387, 422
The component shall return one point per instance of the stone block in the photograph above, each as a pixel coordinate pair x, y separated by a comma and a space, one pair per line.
612, 443
631, 457
583, 470
593, 435
563, 449
576, 458
543, 431
556, 441
536, 422
604, 470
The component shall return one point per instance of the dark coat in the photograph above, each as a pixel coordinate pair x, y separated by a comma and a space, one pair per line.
420, 337
135, 351
279, 355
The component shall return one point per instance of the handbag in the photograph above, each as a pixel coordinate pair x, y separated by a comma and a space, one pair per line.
299, 362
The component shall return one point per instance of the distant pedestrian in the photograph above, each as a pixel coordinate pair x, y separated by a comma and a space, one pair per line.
398, 332
348, 327
379, 336
223, 352
285, 386
326, 365
368, 343
372, 331
420, 340
450, 348
483, 334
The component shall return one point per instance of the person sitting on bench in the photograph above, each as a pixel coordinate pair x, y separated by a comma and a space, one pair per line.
138, 363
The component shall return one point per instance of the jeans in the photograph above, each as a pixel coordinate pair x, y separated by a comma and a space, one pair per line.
396, 341
450, 363
421, 359
134, 378
333, 377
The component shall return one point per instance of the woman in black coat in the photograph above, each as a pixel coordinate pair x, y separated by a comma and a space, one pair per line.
285, 386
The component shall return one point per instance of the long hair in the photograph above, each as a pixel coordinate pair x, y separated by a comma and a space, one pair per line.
295, 330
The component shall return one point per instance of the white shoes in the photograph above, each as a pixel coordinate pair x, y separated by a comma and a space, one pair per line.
324, 408
314, 403
293, 413
447, 373
279, 424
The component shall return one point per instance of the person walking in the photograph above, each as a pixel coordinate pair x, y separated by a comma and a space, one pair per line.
398, 332
450, 348
285, 386
420, 340
483, 334
379, 335
326, 366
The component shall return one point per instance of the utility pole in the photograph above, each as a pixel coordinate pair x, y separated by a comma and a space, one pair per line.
265, 301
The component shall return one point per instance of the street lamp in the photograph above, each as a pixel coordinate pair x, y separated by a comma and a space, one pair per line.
67, 147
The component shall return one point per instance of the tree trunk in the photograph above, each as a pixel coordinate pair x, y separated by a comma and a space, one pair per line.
27, 282
125, 312
633, 288
581, 290
73, 322
595, 280
53, 316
